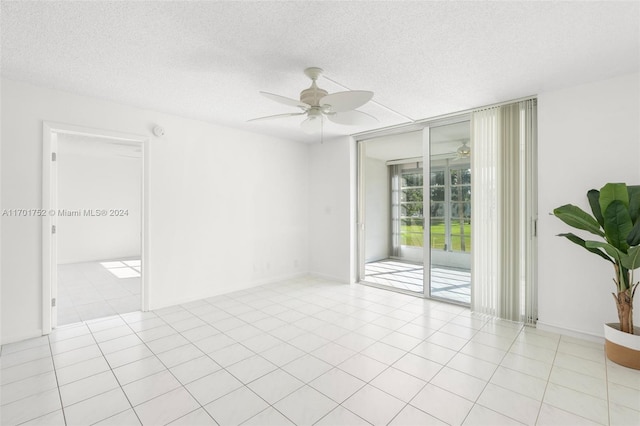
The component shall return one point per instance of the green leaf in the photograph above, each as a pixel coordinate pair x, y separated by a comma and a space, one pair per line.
582, 243
594, 201
611, 192
632, 259
633, 238
578, 218
611, 250
634, 202
617, 224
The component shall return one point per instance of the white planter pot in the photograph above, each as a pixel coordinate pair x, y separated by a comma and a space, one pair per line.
622, 348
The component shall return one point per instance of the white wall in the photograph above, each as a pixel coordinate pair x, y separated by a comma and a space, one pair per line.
228, 209
101, 179
588, 135
377, 200
332, 210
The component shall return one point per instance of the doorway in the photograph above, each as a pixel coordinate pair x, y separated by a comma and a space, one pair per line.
94, 229
415, 211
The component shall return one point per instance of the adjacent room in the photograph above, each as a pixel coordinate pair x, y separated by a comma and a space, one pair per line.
99, 223
319, 213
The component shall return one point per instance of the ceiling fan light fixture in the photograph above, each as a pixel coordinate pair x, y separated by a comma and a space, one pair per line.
315, 113
464, 150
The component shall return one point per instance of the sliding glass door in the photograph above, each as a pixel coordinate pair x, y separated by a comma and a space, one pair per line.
392, 212
450, 211
415, 211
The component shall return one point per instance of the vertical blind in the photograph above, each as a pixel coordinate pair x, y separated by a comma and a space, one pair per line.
504, 209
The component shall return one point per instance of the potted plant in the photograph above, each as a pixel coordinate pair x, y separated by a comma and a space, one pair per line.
616, 220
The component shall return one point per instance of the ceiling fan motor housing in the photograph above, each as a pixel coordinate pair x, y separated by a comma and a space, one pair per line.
312, 95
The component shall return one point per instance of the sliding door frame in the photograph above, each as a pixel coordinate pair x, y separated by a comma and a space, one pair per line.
426, 151
425, 127
426, 208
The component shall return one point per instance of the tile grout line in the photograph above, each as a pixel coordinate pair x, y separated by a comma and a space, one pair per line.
103, 355
443, 366
428, 381
547, 381
492, 374
389, 366
305, 384
55, 371
64, 417
154, 355
221, 367
553, 365
167, 369
114, 375
257, 378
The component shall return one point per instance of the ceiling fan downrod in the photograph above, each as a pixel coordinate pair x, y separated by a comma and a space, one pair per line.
313, 94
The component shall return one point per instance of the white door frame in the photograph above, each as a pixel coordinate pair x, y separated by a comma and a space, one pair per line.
50, 132
426, 208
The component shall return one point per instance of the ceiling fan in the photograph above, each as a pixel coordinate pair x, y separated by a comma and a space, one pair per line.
317, 103
463, 151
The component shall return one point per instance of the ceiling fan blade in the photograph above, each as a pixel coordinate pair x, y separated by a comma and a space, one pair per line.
312, 125
352, 118
285, 100
346, 101
269, 117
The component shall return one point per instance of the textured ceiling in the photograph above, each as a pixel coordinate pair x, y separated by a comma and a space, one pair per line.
208, 60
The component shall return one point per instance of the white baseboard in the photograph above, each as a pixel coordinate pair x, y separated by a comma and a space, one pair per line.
279, 278
230, 289
553, 328
13, 338
329, 277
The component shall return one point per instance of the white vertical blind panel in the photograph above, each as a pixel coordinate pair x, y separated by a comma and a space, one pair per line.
503, 210
509, 206
485, 230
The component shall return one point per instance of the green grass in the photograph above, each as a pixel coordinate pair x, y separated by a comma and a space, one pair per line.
413, 236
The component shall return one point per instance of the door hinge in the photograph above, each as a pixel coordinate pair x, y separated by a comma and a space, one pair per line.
53, 156
53, 229
53, 302
535, 227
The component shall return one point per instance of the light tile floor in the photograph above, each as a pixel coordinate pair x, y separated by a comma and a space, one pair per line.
91, 290
310, 351
446, 282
